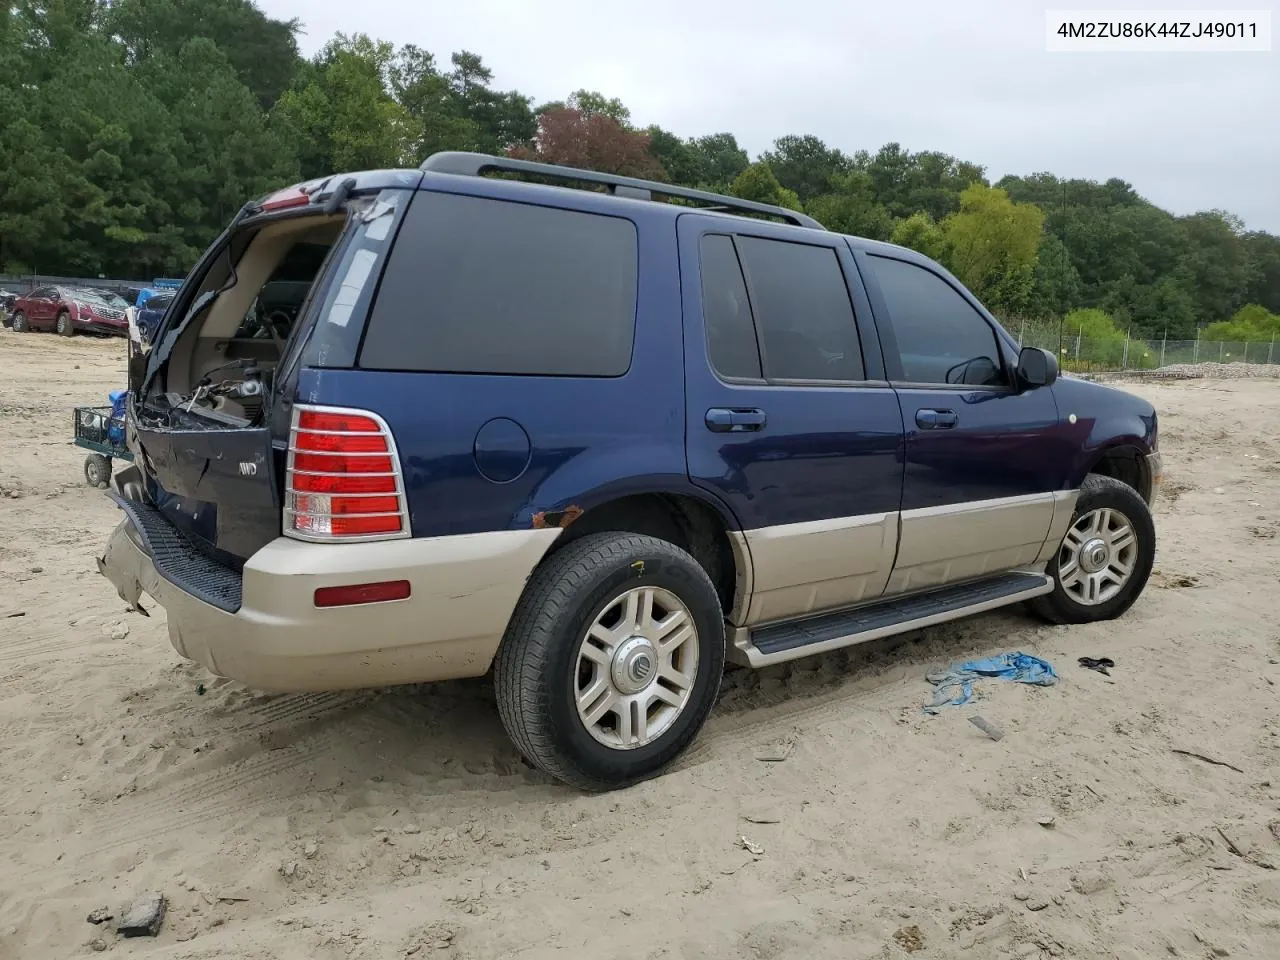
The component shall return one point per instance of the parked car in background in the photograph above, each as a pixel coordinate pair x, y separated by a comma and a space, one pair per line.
7, 300
150, 312
70, 310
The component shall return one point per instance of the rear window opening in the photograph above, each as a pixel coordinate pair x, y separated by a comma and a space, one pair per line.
221, 368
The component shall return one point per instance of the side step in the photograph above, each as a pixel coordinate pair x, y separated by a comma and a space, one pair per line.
791, 639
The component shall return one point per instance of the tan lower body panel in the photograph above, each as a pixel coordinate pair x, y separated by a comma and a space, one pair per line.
948, 544
464, 590
803, 568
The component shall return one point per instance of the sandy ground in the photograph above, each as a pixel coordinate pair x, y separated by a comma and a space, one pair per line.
401, 823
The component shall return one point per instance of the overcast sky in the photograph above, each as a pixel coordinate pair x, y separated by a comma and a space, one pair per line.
1191, 131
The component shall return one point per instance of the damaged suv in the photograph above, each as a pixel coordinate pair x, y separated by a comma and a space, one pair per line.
406, 426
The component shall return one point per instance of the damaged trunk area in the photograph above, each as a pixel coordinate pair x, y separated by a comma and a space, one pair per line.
220, 369
210, 420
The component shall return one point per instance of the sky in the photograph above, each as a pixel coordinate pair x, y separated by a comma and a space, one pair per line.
972, 78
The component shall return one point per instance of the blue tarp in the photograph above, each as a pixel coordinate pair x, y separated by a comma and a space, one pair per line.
955, 686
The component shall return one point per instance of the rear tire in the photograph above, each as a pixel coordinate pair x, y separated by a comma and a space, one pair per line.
20, 324
66, 327
612, 660
97, 470
1105, 557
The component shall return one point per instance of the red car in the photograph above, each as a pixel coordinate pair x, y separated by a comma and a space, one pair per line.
70, 310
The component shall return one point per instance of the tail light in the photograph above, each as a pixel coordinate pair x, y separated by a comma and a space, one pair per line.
343, 480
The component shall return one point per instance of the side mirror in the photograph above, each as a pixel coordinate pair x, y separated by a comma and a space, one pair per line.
1036, 367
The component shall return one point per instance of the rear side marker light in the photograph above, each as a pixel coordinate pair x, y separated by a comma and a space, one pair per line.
343, 479
357, 593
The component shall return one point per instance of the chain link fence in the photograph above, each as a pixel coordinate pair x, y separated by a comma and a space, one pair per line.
1108, 355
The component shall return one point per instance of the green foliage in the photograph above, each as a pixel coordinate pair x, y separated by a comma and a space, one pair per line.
991, 244
758, 183
1252, 322
851, 208
805, 165
922, 234
1101, 341
133, 130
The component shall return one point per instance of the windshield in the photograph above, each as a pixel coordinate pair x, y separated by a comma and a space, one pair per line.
102, 297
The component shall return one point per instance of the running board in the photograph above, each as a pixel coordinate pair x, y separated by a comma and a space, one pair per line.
791, 639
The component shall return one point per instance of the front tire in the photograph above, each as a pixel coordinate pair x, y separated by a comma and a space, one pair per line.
20, 324
66, 327
1105, 557
612, 661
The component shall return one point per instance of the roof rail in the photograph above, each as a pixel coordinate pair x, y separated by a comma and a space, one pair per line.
476, 164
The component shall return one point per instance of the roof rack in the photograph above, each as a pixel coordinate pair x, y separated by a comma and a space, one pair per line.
477, 164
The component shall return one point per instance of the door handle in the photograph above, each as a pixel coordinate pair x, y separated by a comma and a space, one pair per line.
735, 420
936, 419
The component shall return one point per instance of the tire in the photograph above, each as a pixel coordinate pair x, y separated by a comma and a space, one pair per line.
66, 326
20, 323
541, 670
97, 470
1104, 509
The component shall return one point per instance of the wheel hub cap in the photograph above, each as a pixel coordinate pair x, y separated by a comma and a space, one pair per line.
1094, 556
636, 668
633, 665
1098, 556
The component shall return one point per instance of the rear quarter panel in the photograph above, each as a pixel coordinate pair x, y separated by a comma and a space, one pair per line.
590, 440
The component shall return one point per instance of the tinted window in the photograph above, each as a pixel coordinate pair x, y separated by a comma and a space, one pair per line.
486, 286
802, 311
731, 335
941, 338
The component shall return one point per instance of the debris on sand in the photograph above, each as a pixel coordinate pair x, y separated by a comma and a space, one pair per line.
990, 729
99, 916
144, 916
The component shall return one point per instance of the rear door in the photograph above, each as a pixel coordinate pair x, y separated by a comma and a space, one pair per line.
982, 460
789, 419
40, 307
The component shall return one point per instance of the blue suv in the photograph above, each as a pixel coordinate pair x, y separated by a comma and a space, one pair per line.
597, 435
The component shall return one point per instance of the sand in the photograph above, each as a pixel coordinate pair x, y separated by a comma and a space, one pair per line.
401, 823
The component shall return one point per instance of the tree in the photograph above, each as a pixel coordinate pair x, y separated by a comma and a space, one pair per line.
721, 160
345, 112
851, 208
1217, 263
758, 183
1264, 253
683, 164
991, 245
920, 233
805, 165
1251, 323
595, 141
1056, 284
262, 51
1101, 341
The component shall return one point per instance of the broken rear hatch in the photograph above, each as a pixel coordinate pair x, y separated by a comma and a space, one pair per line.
211, 460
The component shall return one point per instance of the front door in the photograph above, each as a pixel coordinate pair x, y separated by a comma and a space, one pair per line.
789, 420
983, 465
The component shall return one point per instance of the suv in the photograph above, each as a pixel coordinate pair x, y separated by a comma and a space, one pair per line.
70, 310
600, 444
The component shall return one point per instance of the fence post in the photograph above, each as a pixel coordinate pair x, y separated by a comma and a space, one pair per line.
1271, 349
1124, 363
1163, 343
1245, 358
1195, 351
1221, 346
1022, 333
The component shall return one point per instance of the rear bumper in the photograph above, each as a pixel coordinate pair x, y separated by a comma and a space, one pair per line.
464, 590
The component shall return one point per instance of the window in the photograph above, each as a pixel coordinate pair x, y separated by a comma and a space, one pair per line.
731, 335
941, 338
275, 309
802, 311
485, 286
